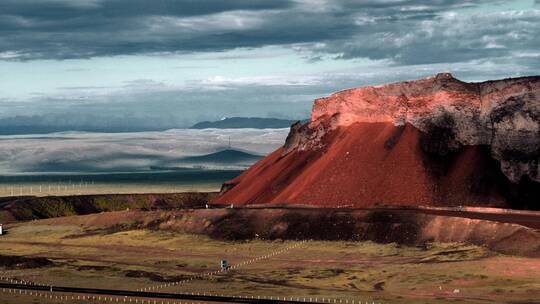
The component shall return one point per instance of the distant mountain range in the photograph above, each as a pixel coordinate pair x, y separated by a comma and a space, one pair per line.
245, 122
51, 123
228, 156
223, 158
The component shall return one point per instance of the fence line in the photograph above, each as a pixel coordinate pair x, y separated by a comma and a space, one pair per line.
211, 273
207, 275
68, 296
30, 188
65, 188
60, 296
247, 262
4, 277
127, 299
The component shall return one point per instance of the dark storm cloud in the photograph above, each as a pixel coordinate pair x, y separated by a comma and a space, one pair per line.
402, 31
61, 9
62, 29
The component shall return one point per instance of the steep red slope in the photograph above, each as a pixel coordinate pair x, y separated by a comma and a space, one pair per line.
367, 147
364, 165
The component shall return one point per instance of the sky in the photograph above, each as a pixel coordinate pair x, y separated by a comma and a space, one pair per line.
162, 64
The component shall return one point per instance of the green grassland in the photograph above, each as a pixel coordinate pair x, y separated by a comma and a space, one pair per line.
37, 207
387, 273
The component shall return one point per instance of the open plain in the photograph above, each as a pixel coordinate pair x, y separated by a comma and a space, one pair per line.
160, 250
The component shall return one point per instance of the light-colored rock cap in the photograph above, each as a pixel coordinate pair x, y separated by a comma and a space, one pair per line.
502, 114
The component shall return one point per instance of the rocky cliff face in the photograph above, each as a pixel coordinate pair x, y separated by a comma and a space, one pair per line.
428, 122
502, 114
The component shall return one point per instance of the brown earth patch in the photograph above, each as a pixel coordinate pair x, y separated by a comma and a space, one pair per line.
20, 262
156, 277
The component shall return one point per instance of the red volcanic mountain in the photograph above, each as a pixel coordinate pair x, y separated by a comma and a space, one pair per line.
433, 142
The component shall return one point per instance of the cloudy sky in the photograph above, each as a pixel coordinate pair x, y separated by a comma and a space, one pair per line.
170, 63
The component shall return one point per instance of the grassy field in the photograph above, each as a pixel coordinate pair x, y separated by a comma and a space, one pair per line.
389, 273
186, 180
14, 209
40, 189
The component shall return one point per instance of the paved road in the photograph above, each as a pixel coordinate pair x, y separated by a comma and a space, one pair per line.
150, 295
